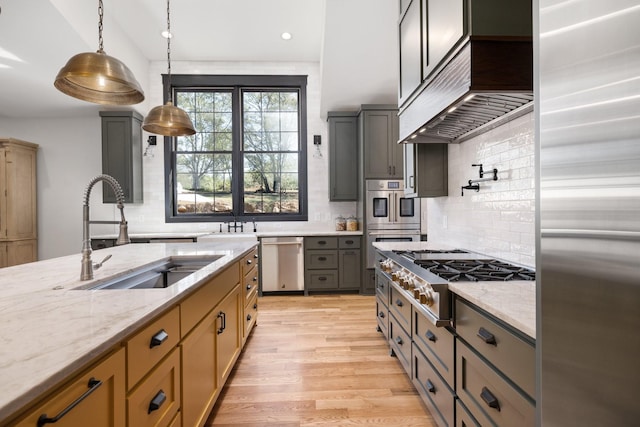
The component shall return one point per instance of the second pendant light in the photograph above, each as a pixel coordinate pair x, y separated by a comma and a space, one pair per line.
167, 119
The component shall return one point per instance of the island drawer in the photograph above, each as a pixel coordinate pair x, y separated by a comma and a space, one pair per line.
382, 287
436, 344
157, 399
250, 284
400, 342
501, 347
250, 315
382, 317
250, 260
321, 243
485, 392
435, 392
151, 344
400, 306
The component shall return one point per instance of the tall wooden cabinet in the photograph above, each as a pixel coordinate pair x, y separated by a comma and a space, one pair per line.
18, 225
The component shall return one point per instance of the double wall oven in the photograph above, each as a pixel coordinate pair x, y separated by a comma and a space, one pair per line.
390, 216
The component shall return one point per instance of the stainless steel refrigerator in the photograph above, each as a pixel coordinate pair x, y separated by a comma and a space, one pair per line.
588, 256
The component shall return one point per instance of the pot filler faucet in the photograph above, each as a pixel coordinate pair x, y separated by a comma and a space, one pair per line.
123, 236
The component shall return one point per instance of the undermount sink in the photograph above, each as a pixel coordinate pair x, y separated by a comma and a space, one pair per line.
159, 275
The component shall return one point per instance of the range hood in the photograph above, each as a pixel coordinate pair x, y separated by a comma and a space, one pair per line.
487, 82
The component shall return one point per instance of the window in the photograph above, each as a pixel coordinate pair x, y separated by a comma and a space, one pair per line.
247, 159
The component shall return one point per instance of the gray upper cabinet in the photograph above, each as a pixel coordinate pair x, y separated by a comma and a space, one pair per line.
343, 156
409, 29
378, 133
122, 154
426, 170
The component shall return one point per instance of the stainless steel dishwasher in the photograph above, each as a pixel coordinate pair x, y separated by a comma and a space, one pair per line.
282, 263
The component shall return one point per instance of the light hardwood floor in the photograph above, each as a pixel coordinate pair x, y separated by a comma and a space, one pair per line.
318, 361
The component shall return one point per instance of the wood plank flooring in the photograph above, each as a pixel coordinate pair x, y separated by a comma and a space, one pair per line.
318, 361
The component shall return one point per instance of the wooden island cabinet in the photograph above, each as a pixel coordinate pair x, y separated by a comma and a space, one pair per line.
167, 373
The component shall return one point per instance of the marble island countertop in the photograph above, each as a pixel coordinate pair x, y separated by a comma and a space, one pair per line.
49, 329
513, 302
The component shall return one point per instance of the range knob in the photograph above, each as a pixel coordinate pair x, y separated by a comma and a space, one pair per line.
426, 298
395, 276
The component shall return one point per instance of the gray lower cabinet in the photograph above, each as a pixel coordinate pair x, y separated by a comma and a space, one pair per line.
122, 154
435, 392
426, 170
343, 155
332, 263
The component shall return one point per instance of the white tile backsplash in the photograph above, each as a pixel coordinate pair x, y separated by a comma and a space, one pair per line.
499, 220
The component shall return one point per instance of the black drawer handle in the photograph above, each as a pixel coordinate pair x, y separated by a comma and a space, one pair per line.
381, 314
399, 340
223, 324
248, 317
93, 385
399, 303
157, 402
322, 242
431, 336
158, 338
248, 287
487, 336
255, 306
430, 387
489, 399
322, 278
249, 262
349, 242
322, 258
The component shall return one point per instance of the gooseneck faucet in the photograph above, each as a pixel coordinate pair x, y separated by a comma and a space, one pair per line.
123, 236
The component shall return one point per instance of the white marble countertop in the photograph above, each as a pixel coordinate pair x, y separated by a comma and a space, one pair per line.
49, 330
513, 302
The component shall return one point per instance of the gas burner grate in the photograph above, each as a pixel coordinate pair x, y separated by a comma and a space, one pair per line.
476, 270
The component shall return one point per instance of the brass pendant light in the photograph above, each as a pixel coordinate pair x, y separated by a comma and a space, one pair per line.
167, 119
98, 77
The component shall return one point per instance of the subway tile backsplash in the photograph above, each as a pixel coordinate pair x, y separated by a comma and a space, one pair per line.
499, 220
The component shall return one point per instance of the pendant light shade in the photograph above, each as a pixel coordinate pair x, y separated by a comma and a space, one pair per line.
167, 119
98, 77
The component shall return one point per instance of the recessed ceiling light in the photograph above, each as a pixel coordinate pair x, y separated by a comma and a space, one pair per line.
166, 34
286, 36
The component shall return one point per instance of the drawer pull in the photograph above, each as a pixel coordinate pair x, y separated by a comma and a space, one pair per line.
322, 278
381, 314
349, 242
487, 336
157, 402
255, 256
255, 306
158, 338
322, 242
322, 258
489, 399
430, 387
93, 385
431, 336
398, 340
248, 317
399, 303
255, 278
249, 262
248, 287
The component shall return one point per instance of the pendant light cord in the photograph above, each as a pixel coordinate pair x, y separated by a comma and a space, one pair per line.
169, 51
100, 15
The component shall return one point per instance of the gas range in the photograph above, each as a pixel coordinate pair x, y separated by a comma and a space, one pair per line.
425, 275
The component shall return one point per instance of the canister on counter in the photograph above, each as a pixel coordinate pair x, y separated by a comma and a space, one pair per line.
341, 223
352, 223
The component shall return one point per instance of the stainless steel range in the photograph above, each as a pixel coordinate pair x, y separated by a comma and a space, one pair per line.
425, 275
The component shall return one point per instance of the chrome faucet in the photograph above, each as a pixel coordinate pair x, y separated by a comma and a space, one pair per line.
123, 236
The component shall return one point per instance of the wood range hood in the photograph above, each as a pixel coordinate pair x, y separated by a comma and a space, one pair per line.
488, 81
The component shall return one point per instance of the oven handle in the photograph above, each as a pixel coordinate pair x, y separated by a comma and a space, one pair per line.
394, 233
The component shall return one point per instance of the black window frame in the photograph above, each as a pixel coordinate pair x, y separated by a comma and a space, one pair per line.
237, 83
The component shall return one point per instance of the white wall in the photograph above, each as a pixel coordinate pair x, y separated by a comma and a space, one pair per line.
70, 155
499, 220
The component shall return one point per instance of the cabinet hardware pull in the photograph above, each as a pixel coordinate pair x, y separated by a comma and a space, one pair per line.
489, 399
255, 278
487, 336
430, 387
158, 338
157, 402
322, 258
255, 256
249, 262
399, 340
381, 314
430, 336
322, 278
255, 306
248, 317
223, 325
93, 385
322, 242
399, 303
248, 287
349, 242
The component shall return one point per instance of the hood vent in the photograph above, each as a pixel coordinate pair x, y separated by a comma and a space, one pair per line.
487, 82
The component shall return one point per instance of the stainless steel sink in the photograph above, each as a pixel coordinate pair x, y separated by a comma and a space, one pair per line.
159, 275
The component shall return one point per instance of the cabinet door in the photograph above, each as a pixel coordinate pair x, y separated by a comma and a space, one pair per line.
444, 28
343, 158
19, 185
409, 170
199, 379
381, 150
100, 392
430, 170
3, 255
410, 34
21, 252
349, 270
229, 333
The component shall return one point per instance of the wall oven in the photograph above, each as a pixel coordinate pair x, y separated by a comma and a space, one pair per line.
387, 208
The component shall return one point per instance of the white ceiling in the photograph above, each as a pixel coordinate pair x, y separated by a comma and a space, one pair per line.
354, 41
